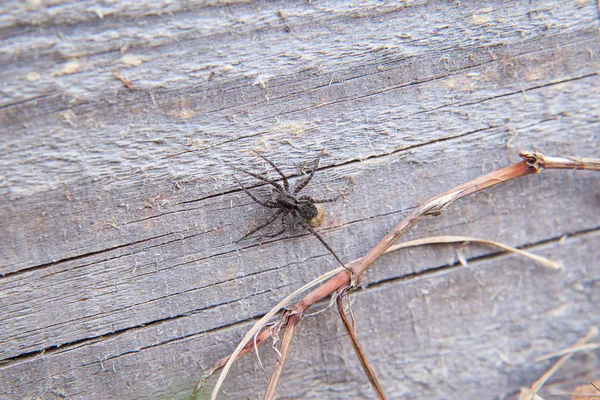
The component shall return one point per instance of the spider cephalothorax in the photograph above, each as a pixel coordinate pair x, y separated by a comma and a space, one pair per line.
303, 208
307, 210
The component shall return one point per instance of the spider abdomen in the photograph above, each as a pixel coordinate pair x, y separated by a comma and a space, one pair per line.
314, 214
307, 210
319, 218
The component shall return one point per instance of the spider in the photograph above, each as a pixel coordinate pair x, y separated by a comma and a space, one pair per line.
308, 211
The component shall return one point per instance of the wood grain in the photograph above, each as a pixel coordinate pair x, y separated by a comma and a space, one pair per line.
121, 276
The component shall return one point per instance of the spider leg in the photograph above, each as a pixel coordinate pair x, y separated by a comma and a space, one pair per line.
317, 201
302, 184
262, 178
307, 226
256, 229
268, 204
283, 227
286, 184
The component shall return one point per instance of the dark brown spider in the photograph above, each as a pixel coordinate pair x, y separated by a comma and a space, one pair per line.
307, 210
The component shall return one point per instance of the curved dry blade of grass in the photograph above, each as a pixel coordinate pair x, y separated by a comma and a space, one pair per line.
466, 239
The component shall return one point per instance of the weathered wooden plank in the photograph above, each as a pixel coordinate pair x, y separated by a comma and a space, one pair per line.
120, 216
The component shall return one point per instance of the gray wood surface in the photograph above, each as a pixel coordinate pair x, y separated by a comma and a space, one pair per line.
120, 274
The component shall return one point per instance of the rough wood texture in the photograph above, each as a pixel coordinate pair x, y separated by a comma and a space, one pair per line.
121, 276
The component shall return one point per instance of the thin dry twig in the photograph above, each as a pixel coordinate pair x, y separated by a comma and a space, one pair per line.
590, 391
533, 163
531, 392
574, 395
369, 371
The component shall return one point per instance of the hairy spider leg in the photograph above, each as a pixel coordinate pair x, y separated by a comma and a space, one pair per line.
267, 223
315, 201
302, 184
268, 204
286, 184
283, 226
262, 178
307, 226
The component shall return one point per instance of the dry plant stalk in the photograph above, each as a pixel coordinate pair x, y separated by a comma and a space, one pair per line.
257, 338
350, 331
343, 280
290, 327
